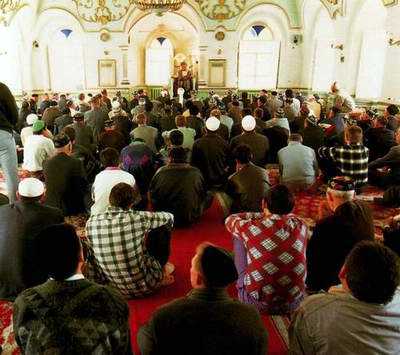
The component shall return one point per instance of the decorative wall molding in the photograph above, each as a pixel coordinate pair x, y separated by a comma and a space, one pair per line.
389, 2
221, 10
334, 7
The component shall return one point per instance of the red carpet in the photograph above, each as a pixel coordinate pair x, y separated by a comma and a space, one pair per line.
184, 242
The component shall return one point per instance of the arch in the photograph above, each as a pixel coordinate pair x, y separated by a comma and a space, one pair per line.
159, 56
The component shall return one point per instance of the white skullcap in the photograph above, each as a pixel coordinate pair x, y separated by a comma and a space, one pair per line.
212, 123
31, 119
31, 187
115, 105
248, 123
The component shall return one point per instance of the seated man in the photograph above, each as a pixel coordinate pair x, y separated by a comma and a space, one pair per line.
20, 224
179, 188
68, 314
313, 135
379, 139
335, 235
364, 318
107, 179
207, 320
249, 184
38, 147
270, 250
258, 143
392, 161
134, 263
391, 113
172, 139
148, 133
66, 184
298, 165
349, 160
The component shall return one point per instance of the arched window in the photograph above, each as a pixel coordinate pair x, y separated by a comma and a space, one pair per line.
66, 62
258, 59
10, 64
158, 61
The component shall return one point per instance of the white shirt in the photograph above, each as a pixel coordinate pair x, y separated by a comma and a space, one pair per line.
37, 149
103, 184
25, 133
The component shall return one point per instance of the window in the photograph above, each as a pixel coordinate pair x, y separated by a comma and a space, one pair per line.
158, 62
258, 59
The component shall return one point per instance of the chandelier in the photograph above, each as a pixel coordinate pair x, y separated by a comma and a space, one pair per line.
159, 6
102, 11
8, 7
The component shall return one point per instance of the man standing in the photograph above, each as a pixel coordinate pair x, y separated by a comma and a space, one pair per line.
66, 184
207, 321
122, 231
362, 316
8, 150
68, 314
50, 115
298, 165
64, 120
96, 117
20, 224
179, 188
270, 250
210, 155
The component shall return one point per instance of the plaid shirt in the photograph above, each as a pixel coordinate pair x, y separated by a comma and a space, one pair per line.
351, 160
276, 260
118, 241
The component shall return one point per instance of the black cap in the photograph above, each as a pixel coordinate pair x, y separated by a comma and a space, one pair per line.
218, 267
61, 140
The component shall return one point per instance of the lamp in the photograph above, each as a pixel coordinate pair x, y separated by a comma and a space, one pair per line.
159, 6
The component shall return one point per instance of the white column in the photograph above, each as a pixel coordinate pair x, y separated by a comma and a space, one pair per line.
125, 78
203, 66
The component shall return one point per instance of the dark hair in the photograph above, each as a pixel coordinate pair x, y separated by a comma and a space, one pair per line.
296, 137
122, 195
66, 111
246, 112
243, 153
70, 132
372, 272
59, 247
263, 99
392, 110
177, 155
289, 93
109, 157
148, 106
194, 110
176, 137
81, 96
53, 103
235, 103
274, 93
279, 200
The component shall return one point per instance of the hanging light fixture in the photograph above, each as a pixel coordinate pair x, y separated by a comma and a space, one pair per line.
7, 7
159, 6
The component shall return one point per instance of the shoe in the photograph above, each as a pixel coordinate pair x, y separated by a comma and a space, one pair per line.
169, 268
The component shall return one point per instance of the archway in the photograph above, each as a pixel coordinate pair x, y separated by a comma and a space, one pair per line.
159, 56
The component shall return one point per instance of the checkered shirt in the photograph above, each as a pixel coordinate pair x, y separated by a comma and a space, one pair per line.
351, 160
118, 241
276, 260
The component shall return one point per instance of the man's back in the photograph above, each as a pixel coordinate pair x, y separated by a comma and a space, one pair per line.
96, 119
20, 223
313, 137
49, 116
66, 184
379, 140
61, 122
74, 317
258, 143
341, 324
148, 134
84, 136
179, 189
205, 322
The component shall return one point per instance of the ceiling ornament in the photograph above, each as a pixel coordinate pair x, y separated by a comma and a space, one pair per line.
159, 6
334, 7
102, 11
8, 8
221, 9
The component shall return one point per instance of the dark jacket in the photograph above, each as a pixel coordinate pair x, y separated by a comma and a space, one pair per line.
66, 184
123, 125
379, 141
8, 109
50, 115
96, 119
61, 122
258, 143
223, 132
84, 136
180, 190
197, 124
393, 123
332, 240
112, 139
247, 188
391, 160
206, 322
210, 156
20, 224
278, 139
313, 137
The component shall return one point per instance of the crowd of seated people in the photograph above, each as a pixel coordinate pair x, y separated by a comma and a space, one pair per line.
135, 170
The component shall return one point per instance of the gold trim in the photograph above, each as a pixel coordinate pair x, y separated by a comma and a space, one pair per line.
111, 62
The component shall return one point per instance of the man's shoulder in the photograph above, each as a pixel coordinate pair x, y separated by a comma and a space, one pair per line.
316, 306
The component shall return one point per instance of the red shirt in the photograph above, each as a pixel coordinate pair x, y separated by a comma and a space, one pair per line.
276, 259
